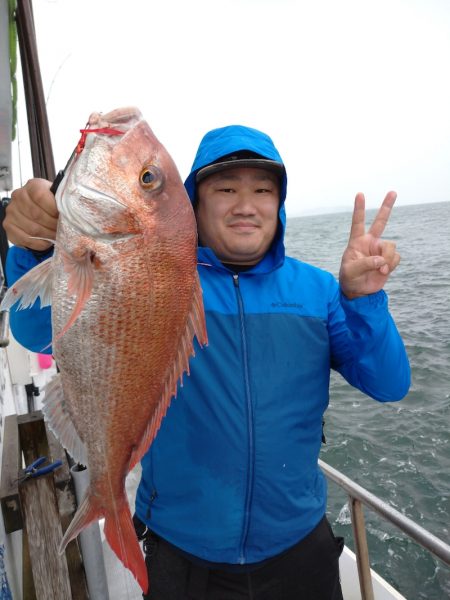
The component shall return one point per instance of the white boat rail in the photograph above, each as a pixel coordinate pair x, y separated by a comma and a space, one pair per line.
358, 497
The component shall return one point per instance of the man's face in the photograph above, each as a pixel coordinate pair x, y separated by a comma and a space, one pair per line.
237, 213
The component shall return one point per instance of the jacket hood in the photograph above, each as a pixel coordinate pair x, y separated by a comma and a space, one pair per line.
223, 141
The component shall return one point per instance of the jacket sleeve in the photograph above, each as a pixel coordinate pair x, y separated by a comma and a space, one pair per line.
32, 326
366, 347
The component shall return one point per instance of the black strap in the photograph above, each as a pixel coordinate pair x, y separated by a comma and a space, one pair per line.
139, 527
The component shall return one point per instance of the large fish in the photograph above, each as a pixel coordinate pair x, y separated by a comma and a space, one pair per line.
126, 305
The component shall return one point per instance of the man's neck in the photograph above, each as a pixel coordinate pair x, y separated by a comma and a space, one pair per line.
237, 268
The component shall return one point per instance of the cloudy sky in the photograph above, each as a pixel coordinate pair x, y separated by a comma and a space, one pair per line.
354, 93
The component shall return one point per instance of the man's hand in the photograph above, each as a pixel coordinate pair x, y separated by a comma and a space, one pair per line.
368, 261
32, 213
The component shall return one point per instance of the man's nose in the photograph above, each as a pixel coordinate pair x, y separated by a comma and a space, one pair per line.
244, 204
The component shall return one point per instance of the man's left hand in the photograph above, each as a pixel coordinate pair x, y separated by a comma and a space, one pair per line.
368, 260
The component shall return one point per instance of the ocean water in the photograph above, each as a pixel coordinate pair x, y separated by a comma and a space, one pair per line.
400, 451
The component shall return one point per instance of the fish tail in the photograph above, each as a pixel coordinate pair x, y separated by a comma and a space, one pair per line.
121, 535
119, 532
87, 513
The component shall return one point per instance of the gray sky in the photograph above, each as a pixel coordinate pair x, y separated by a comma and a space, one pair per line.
354, 93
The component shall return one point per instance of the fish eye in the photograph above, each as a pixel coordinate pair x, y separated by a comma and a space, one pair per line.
150, 177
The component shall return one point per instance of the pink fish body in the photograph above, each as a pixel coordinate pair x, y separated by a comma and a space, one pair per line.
126, 305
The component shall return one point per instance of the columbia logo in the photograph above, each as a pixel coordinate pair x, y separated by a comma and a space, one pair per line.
286, 305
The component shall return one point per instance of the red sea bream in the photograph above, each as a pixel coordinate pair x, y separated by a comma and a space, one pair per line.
126, 305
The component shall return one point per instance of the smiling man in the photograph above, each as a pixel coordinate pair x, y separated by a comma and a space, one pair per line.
231, 503
237, 212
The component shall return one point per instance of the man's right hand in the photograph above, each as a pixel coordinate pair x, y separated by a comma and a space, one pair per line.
32, 213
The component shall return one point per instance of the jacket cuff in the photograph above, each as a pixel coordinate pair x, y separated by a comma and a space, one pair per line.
41, 255
368, 303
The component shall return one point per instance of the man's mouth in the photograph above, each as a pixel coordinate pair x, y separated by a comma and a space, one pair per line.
243, 225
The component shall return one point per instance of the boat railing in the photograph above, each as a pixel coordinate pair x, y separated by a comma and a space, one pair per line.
359, 496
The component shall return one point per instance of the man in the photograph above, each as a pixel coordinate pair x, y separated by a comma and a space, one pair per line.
231, 492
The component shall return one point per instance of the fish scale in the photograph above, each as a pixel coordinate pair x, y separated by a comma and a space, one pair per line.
126, 305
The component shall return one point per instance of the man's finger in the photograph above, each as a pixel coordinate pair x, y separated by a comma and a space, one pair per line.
363, 265
37, 192
393, 263
388, 250
28, 214
359, 217
44, 227
382, 216
18, 237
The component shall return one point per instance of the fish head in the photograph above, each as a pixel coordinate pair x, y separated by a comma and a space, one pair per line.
122, 182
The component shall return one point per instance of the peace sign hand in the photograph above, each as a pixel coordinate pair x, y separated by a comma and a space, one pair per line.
368, 260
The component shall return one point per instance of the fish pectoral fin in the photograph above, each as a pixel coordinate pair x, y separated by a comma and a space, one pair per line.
60, 422
81, 279
37, 283
195, 327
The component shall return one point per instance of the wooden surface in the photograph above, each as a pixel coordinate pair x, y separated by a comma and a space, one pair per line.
28, 589
43, 507
43, 527
9, 488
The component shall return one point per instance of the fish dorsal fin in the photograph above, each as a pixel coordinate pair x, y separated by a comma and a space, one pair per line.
195, 327
60, 422
37, 283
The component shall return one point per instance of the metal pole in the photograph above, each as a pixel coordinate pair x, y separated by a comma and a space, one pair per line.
42, 153
426, 539
362, 550
91, 543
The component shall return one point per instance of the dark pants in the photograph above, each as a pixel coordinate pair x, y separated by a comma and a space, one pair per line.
307, 571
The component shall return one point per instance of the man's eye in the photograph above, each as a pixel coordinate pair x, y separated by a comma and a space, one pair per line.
263, 191
227, 190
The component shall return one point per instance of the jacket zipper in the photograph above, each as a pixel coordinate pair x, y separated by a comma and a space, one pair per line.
154, 493
251, 441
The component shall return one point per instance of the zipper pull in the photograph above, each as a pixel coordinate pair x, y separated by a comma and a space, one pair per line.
153, 497
236, 280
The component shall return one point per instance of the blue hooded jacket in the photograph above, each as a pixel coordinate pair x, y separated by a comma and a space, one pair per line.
232, 476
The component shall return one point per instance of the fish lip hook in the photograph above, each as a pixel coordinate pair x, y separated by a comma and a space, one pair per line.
79, 148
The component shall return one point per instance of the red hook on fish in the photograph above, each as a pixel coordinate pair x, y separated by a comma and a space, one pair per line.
84, 132
79, 149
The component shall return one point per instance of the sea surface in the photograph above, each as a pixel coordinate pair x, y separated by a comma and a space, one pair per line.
399, 451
